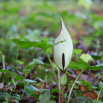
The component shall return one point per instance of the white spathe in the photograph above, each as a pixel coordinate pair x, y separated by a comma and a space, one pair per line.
65, 48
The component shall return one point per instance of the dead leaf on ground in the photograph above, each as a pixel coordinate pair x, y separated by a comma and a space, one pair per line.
90, 94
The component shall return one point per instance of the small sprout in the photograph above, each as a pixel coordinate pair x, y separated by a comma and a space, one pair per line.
71, 81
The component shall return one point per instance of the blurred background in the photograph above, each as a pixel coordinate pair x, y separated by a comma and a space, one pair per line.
34, 19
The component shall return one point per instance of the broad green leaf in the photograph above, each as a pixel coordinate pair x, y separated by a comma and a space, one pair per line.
89, 85
77, 51
44, 44
29, 81
30, 89
50, 101
82, 99
97, 101
15, 96
54, 90
100, 84
50, 76
86, 3
36, 61
65, 95
96, 67
79, 66
44, 97
2, 94
75, 65
83, 65
49, 50
31, 64
96, 57
41, 73
44, 90
86, 57
19, 62
18, 77
5, 95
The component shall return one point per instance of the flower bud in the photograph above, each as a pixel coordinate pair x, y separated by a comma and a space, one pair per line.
64, 80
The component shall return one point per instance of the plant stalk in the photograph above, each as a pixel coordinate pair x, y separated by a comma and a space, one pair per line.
44, 82
74, 85
54, 75
62, 94
99, 93
52, 68
59, 84
3, 60
23, 92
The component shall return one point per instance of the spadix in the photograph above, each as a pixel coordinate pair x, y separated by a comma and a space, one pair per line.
62, 52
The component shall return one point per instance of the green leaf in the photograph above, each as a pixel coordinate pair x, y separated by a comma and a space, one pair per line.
36, 61
79, 66
65, 95
96, 101
15, 96
18, 77
19, 62
44, 44
5, 95
96, 67
50, 76
31, 64
77, 51
86, 3
50, 101
86, 57
83, 65
49, 50
29, 81
96, 57
82, 98
100, 84
75, 65
89, 85
54, 90
44, 97
30, 89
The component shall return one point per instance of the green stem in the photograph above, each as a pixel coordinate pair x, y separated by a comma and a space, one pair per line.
63, 94
3, 60
23, 92
14, 83
59, 84
44, 82
54, 75
52, 68
74, 85
99, 93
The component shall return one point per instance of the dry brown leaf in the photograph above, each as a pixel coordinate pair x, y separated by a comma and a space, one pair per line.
90, 95
36, 93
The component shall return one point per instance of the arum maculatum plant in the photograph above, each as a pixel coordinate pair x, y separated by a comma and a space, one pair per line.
62, 54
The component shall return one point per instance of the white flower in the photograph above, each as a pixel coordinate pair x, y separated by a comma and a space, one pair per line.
62, 52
